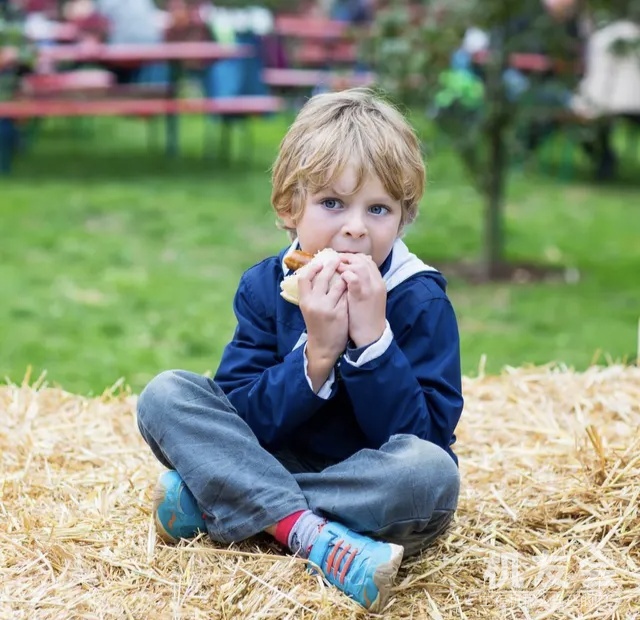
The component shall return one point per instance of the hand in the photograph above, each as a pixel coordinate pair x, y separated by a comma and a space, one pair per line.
323, 303
366, 298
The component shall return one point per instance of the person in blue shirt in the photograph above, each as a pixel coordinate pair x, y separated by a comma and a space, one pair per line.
328, 424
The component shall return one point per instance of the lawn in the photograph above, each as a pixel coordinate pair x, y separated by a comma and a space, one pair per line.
116, 262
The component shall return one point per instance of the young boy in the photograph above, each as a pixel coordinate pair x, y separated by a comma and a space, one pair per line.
329, 424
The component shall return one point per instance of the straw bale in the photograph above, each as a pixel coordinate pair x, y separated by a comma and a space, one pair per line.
547, 527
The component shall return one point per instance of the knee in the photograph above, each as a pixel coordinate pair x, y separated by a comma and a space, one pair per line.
430, 473
161, 394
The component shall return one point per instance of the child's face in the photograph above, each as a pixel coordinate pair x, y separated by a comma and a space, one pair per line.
366, 222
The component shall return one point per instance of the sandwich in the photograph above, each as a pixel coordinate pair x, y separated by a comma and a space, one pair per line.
298, 261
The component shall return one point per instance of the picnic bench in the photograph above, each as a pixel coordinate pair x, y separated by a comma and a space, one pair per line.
317, 42
226, 108
311, 78
322, 52
531, 63
92, 93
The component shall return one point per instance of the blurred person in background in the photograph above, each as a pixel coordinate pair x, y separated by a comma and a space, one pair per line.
563, 29
609, 88
610, 83
352, 11
186, 20
92, 26
127, 22
250, 26
131, 21
46, 8
549, 27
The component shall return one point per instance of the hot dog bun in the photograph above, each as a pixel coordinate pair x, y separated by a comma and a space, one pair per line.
296, 259
289, 286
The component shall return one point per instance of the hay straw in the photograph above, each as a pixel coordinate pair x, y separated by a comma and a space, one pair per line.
548, 524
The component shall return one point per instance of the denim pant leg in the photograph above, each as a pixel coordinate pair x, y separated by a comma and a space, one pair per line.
406, 492
191, 427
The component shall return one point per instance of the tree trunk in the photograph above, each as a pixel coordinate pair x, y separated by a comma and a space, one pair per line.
493, 250
496, 149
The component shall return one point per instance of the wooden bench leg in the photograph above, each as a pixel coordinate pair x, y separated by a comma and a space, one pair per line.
175, 72
7, 144
152, 129
172, 135
248, 140
30, 133
225, 140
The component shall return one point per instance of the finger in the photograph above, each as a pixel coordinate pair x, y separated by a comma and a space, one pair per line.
342, 267
373, 270
353, 259
353, 282
342, 306
365, 267
337, 289
322, 279
352, 256
305, 279
359, 268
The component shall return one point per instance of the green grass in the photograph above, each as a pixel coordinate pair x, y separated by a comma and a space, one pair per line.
116, 262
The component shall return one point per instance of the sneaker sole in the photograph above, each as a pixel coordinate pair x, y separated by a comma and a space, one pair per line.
385, 576
158, 498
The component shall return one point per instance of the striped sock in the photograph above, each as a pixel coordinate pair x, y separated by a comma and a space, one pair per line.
284, 527
304, 533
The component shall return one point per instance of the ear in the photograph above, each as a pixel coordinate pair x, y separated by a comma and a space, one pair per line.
288, 221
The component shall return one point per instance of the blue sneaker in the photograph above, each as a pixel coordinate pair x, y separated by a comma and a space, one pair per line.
363, 568
176, 513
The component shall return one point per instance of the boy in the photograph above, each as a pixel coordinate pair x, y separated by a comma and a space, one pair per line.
327, 425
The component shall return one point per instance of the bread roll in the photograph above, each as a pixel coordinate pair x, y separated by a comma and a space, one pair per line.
289, 286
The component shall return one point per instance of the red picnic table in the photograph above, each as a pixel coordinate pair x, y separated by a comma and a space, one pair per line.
528, 62
130, 53
308, 27
310, 78
321, 40
175, 53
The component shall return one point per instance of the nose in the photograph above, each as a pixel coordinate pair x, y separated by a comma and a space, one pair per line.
354, 225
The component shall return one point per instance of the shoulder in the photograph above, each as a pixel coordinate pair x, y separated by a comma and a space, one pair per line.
421, 303
419, 289
268, 267
261, 282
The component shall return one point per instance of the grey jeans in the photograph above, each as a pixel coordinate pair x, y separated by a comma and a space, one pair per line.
406, 492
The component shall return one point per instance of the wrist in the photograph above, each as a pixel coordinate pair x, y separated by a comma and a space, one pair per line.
320, 356
367, 337
318, 369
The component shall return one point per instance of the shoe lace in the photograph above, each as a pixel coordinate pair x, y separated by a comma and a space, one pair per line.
337, 555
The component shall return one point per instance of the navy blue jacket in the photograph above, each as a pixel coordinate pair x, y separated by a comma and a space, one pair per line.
412, 386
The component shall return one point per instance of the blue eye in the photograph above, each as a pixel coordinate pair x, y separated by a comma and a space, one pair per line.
330, 203
379, 209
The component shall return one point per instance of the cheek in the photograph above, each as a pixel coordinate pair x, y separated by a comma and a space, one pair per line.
319, 220
383, 239
387, 230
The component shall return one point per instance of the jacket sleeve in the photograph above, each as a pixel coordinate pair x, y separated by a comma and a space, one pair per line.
414, 387
269, 392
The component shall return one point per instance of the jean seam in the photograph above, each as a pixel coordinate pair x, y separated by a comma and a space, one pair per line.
262, 514
450, 511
